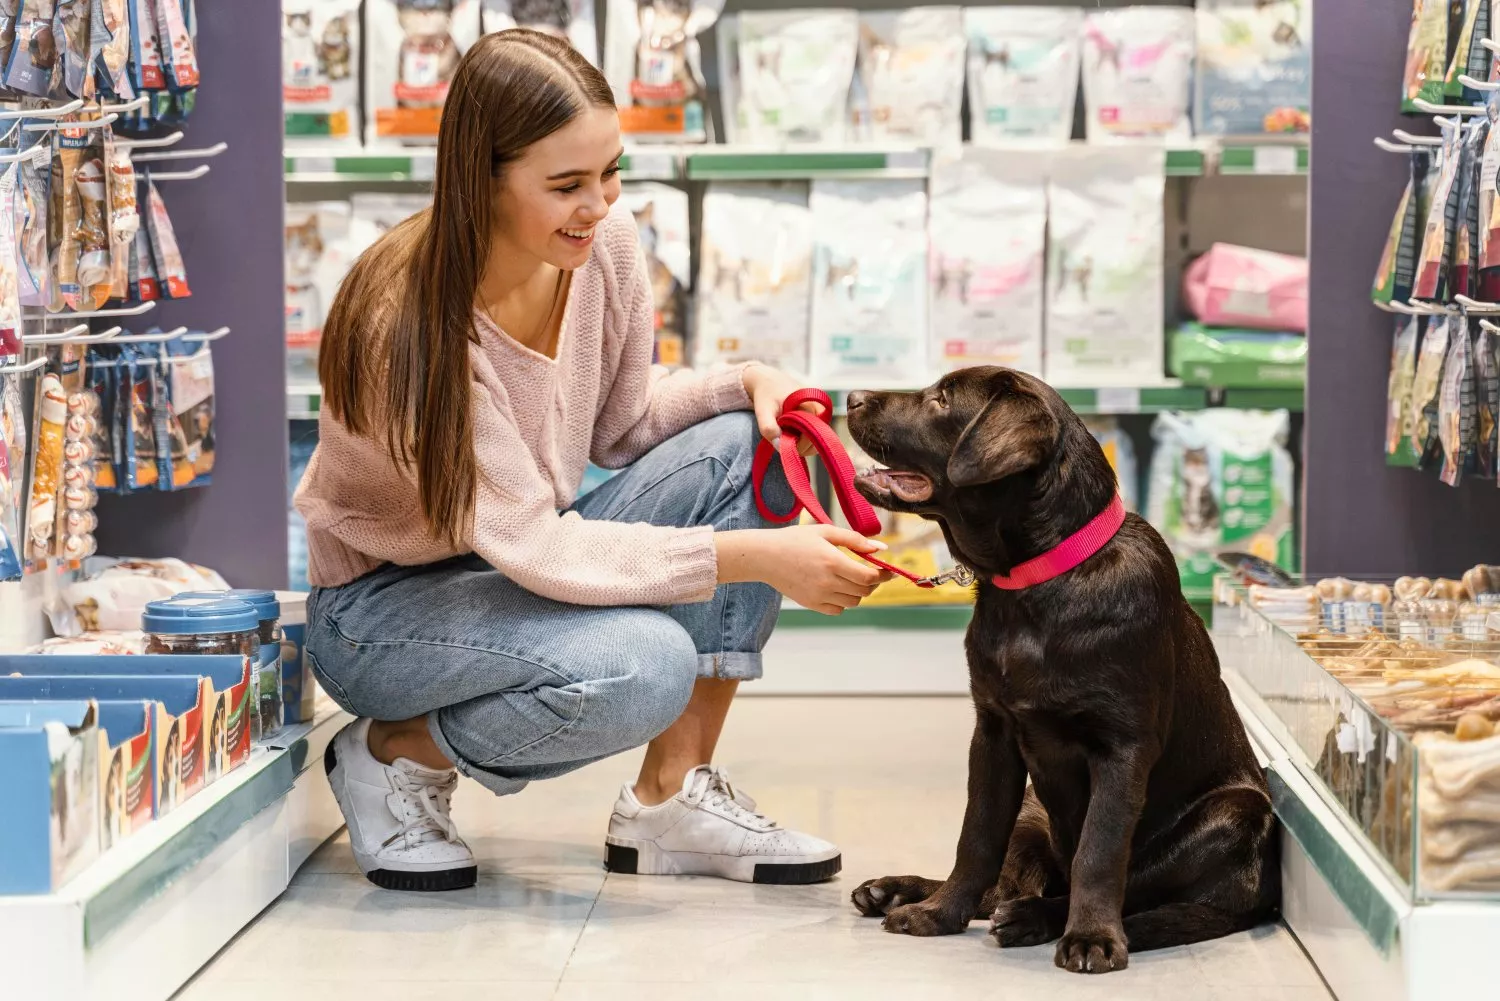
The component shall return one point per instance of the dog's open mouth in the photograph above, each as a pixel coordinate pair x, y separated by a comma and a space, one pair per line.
913, 488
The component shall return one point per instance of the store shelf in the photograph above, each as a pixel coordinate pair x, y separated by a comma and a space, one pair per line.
730, 163
142, 920
419, 164
1265, 159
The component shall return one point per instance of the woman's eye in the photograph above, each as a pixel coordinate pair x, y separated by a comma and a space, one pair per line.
611, 172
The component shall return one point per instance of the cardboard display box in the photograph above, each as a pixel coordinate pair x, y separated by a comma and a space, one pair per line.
49, 784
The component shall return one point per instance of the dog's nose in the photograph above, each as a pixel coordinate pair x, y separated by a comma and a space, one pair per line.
856, 399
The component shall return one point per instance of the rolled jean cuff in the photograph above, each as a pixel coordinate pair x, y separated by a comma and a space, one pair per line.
731, 666
497, 784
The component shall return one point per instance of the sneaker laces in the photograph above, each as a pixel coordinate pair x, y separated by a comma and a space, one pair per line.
423, 806
711, 787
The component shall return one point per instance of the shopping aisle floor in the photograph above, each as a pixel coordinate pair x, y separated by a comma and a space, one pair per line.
882, 777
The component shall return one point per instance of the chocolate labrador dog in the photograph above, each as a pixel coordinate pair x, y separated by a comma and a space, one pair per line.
1148, 822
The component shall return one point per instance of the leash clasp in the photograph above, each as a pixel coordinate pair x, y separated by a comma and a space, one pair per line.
960, 575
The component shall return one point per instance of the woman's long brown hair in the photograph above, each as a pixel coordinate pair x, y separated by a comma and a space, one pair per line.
396, 365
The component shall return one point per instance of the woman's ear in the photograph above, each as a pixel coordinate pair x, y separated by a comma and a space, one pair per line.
1013, 433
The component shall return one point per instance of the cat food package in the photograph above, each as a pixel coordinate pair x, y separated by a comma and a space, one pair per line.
869, 303
102, 372
795, 68
987, 258
1104, 274
1232, 286
653, 61
34, 54
1120, 451
1138, 73
320, 54
754, 293
1220, 480
171, 273
411, 52
137, 403
1254, 67
317, 259
1023, 72
1426, 53
911, 77
572, 20
1463, 272
661, 217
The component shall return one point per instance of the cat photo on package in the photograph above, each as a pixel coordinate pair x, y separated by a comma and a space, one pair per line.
653, 62
661, 218
570, 20
320, 52
412, 50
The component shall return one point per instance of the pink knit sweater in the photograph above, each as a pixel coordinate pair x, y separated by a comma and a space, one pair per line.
537, 424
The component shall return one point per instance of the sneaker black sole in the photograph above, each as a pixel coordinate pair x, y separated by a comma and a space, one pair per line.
799, 873
618, 858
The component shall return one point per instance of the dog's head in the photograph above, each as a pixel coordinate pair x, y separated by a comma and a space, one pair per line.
994, 455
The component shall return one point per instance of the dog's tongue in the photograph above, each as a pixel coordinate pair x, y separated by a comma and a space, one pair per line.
910, 487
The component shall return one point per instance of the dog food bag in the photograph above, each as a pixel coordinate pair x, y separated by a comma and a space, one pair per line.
1105, 315
1400, 420
317, 258
869, 304
1120, 451
795, 69
911, 76
654, 65
124, 215
91, 272
987, 259
1426, 54
320, 70
189, 369
754, 293
1221, 479
1138, 73
411, 52
661, 217
1254, 67
572, 20
1435, 255
1023, 72
46, 469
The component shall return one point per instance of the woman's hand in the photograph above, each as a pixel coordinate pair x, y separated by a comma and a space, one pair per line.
803, 562
768, 389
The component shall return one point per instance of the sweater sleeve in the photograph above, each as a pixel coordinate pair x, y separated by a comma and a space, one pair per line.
518, 530
644, 404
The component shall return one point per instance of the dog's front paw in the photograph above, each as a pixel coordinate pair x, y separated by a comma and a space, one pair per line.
1095, 951
1028, 921
924, 920
875, 897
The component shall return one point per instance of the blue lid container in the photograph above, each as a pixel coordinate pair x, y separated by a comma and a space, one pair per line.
182, 615
265, 603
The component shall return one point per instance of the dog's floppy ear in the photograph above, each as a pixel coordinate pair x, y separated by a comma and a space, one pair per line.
1013, 433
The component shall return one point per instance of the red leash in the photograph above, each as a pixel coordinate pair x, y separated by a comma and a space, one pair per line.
796, 422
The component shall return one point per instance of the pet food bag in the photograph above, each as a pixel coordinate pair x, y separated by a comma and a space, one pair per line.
12, 478
1138, 73
795, 68
320, 70
754, 292
1426, 54
571, 20
1221, 480
987, 260
1104, 274
1254, 67
1119, 450
411, 53
1023, 72
373, 214
661, 218
911, 76
869, 304
1238, 286
653, 63
317, 258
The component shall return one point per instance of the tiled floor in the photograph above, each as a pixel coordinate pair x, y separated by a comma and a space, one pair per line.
883, 777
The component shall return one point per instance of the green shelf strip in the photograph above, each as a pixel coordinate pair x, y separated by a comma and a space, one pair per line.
1265, 399
1185, 162
714, 165
1135, 401
1267, 159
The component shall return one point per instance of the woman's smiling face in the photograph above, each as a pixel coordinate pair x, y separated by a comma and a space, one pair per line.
551, 199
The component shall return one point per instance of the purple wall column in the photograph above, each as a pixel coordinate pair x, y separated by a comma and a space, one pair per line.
230, 227
1361, 518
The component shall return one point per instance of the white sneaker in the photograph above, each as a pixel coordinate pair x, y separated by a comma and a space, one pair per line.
397, 814
706, 830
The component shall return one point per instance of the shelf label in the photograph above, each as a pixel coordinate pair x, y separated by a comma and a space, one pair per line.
423, 168
1276, 159
911, 159
1117, 401
652, 166
313, 165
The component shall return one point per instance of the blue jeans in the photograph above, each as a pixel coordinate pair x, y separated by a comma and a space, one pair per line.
517, 687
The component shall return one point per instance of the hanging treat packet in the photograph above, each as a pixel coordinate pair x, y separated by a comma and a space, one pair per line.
46, 469
1456, 406
1424, 173
1487, 403
320, 42
572, 20
171, 274
141, 470
178, 49
171, 452
1463, 271
9, 9
102, 377
12, 472
70, 30
653, 62
1023, 72
65, 218
1435, 256
124, 216
755, 275
10, 281
32, 201
1105, 315
1400, 420
1403, 228
142, 282
109, 45
1426, 386
911, 77
92, 237
1138, 73
869, 306
1426, 54
987, 259
1489, 207
661, 219
75, 524
34, 53
411, 52
147, 68
1462, 43
795, 69
190, 381
1254, 67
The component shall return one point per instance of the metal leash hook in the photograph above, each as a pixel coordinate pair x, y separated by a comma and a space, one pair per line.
960, 575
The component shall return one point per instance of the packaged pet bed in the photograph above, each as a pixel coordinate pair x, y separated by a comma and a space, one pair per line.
1023, 72
320, 60
1138, 73
1254, 67
1232, 286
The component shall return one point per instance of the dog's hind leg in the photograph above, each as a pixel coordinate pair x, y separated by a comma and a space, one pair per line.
1032, 866
1182, 924
1028, 921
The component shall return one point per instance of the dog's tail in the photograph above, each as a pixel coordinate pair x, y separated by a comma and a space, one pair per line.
1183, 924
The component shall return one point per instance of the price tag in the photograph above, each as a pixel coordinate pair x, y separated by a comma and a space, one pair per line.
1275, 159
652, 166
912, 159
1118, 401
313, 165
424, 168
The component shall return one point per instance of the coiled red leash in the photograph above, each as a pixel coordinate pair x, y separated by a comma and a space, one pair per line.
797, 423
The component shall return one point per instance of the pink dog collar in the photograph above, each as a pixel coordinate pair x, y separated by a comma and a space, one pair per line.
1073, 550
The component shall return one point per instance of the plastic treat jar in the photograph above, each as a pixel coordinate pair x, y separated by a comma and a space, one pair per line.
268, 663
207, 625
